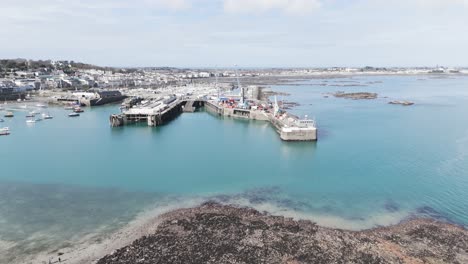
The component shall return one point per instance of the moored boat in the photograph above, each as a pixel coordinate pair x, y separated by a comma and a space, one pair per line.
9, 114
73, 114
78, 110
47, 116
4, 131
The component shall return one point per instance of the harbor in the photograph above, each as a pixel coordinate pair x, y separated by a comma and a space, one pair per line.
159, 111
233, 132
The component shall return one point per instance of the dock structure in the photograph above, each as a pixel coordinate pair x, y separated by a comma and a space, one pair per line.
159, 112
294, 131
212, 107
155, 114
189, 106
289, 127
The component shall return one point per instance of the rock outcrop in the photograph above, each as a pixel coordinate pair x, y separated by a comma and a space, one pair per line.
404, 103
356, 96
214, 233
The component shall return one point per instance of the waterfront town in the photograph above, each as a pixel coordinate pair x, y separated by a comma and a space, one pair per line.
22, 76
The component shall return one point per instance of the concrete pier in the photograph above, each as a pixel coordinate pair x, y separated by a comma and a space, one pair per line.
293, 133
158, 113
236, 112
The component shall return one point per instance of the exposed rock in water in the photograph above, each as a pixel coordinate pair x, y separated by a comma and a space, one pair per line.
288, 105
405, 103
214, 233
355, 96
265, 94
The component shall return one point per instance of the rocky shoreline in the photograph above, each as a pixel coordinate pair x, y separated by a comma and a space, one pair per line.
215, 233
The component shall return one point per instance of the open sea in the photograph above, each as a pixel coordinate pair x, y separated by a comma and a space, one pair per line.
68, 179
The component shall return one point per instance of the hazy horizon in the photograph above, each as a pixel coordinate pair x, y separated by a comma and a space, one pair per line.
245, 67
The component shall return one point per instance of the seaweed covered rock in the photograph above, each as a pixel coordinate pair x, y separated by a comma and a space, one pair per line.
214, 233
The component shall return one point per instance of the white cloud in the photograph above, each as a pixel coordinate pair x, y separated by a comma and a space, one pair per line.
170, 4
441, 3
260, 6
421, 3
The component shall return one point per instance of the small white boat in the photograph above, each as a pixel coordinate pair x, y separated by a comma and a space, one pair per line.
73, 114
38, 119
41, 105
24, 106
69, 108
4, 131
47, 116
78, 110
30, 121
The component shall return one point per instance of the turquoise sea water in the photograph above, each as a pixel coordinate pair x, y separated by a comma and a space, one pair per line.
374, 164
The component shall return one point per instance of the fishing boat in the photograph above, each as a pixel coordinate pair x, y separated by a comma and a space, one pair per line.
4, 131
73, 114
9, 114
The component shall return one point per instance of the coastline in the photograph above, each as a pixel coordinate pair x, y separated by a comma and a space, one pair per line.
214, 233
156, 222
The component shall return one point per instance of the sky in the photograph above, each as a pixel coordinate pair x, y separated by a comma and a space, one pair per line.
248, 33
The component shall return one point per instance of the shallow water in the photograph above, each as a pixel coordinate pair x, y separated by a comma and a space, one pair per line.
374, 163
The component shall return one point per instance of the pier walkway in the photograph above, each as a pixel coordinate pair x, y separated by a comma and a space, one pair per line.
189, 106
